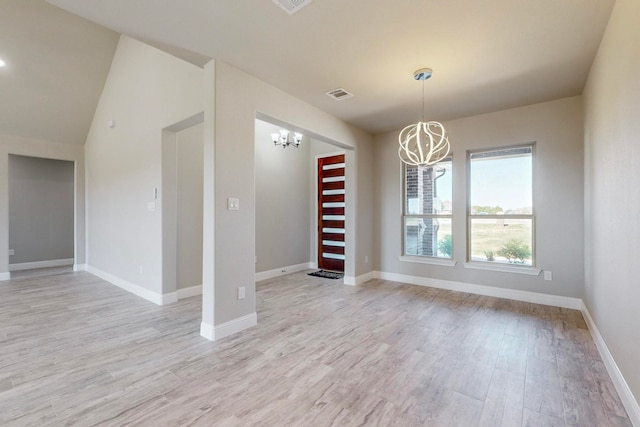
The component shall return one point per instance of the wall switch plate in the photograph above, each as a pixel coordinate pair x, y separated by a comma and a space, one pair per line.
241, 293
548, 275
151, 206
12, 252
233, 204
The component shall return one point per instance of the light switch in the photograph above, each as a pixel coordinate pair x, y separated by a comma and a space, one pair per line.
233, 204
151, 206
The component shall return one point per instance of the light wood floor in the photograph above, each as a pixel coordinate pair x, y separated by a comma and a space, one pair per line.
75, 350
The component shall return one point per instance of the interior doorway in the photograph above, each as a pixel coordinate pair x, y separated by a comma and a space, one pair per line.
41, 213
182, 208
331, 212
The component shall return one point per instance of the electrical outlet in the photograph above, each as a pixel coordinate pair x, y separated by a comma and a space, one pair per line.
241, 293
548, 275
12, 252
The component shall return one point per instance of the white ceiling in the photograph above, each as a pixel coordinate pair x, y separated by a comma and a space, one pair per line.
57, 64
486, 55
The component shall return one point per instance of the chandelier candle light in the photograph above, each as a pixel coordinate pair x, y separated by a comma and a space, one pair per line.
423, 143
282, 138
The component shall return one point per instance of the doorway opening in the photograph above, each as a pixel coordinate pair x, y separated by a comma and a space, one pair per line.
182, 208
287, 219
41, 215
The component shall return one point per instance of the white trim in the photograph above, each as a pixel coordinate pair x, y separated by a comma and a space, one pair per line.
512, 294
277, 272
137, 290
189, 292
206, 330
5, 276
169, 298
358, 280
236, 325
213, 333
79, 267
428, 260
40, 264
628, 400
531, 271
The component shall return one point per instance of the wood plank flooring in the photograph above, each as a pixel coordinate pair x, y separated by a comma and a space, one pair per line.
75, 350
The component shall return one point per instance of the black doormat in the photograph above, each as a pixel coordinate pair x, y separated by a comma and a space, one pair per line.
326, 274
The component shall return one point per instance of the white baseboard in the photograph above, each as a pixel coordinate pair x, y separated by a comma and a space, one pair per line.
207, 331
358, 280
40, 264
213, 332
5, 276
512, 294
270, 274
154, 297
189, 292
169, 298
79, 267
628, 400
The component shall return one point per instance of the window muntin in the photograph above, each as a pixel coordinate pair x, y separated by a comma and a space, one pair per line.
501, 221
427, 212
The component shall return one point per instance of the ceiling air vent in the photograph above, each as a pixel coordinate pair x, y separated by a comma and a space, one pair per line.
339, 94
292, 6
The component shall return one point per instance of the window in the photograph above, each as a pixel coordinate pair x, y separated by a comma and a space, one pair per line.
427, 210
501, 221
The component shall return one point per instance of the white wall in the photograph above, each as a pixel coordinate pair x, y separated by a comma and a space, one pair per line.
612, 166
146, 91
189, 206
233, 99
41, 216
50, 150
556, 128
282, 201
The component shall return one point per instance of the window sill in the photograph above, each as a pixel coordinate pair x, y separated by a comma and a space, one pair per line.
427, 260
531, 271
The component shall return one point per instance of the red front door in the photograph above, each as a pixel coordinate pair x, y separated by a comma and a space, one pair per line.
331, 203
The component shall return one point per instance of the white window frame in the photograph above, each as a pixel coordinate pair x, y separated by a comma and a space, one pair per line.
499, 266
423, 259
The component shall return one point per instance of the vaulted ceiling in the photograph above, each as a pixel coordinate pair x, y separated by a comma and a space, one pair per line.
486, 55
57, 64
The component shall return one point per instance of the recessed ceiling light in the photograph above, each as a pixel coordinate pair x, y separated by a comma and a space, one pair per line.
2, 63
